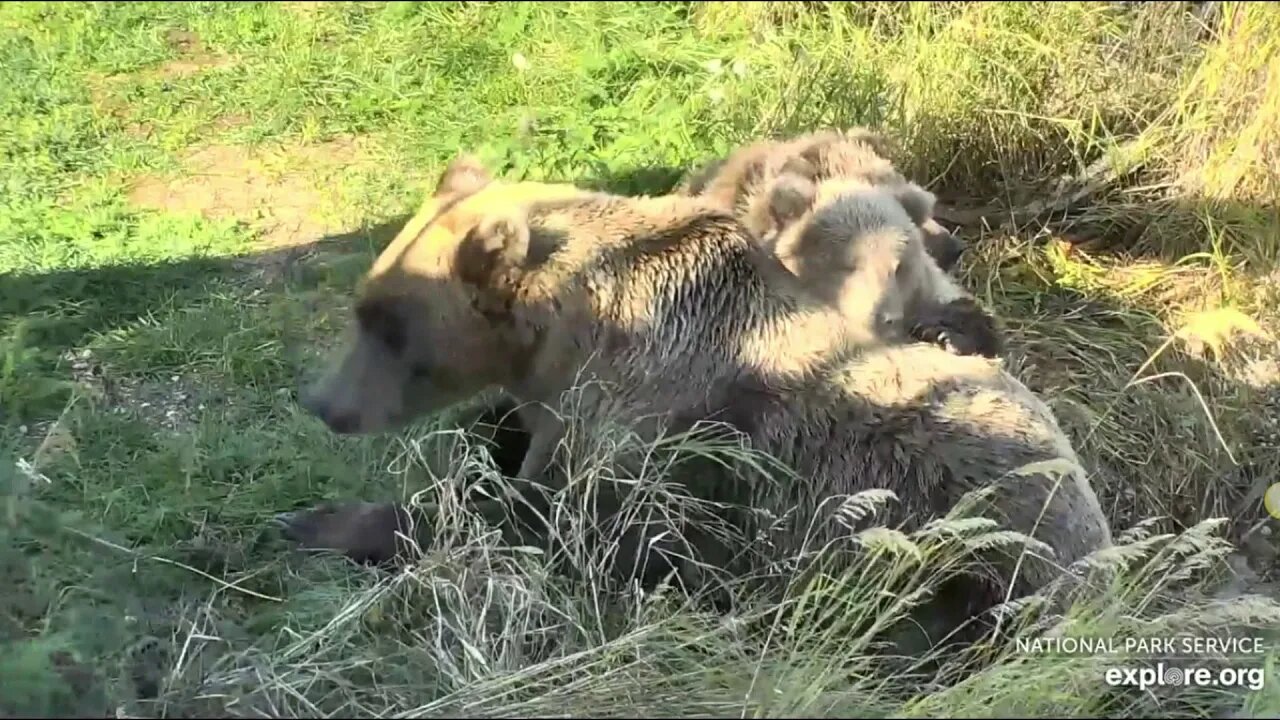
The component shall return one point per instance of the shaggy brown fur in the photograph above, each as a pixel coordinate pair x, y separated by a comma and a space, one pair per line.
671, 314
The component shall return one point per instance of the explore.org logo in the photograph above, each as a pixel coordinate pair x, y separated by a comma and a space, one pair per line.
1169, 676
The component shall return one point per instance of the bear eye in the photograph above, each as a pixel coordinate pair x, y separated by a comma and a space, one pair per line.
381, 320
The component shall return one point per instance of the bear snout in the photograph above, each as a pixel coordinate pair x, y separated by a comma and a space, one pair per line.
339, 420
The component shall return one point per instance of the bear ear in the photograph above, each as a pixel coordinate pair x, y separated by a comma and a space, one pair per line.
494, 248
463, 175
792, 196
917, 201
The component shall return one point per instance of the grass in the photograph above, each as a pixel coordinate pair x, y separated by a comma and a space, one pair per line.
168, 167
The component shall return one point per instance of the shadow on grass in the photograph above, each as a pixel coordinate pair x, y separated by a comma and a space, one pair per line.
1166, 230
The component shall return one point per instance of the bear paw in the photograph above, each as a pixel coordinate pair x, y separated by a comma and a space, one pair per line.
365, 532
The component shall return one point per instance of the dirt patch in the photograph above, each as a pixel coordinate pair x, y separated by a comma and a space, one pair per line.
192, 58
283, 192
303, 8
105, 95
224, 123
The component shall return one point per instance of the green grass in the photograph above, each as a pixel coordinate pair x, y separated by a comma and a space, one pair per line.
149, 356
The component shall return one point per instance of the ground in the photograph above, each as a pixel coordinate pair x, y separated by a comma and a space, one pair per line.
191, 190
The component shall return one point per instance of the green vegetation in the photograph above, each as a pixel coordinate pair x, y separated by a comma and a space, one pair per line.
168, 167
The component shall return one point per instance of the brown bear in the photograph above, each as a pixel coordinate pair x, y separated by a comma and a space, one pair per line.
671, 312
789, 193
856, 246
853, 153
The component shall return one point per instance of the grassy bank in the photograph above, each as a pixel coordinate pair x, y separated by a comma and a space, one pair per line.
191, 190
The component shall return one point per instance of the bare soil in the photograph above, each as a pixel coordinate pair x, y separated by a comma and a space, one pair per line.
278, 191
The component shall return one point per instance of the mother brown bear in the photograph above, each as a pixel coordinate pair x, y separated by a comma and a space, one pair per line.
671, 308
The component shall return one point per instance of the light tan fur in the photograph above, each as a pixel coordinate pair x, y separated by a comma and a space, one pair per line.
825, 204
856, 247
739, 181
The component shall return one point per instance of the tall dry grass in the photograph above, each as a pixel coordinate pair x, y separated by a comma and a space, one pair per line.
478, 627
